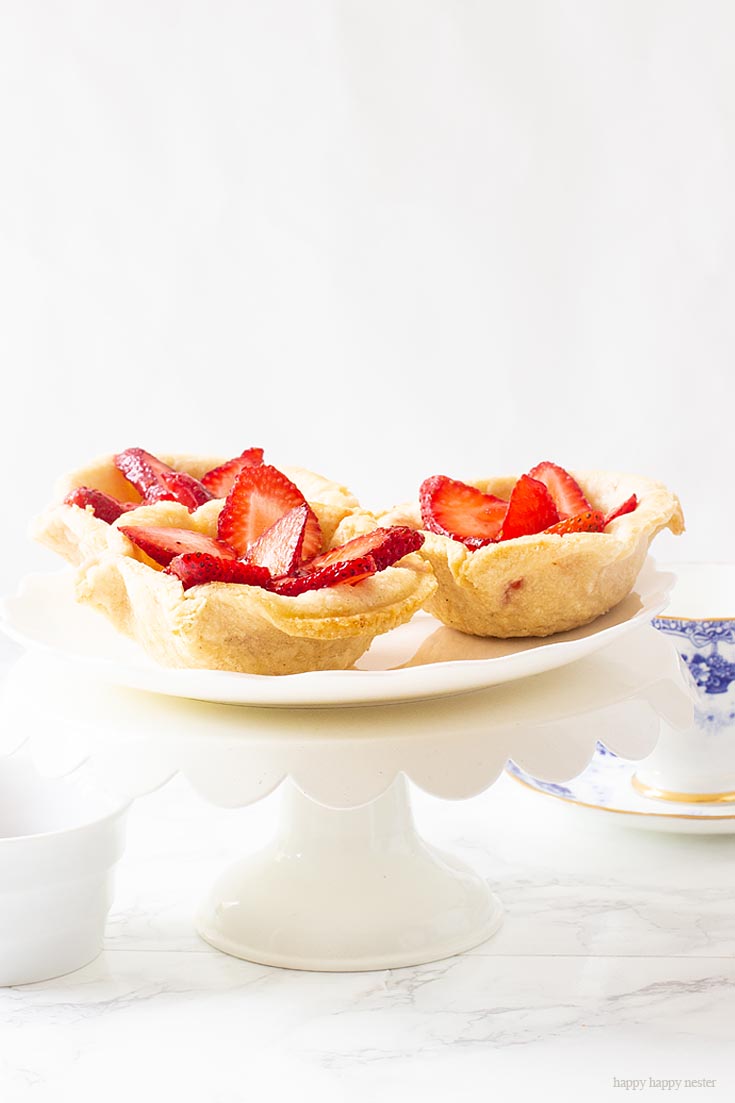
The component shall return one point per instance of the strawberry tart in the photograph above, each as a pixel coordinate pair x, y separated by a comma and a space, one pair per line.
234, 565
544, 553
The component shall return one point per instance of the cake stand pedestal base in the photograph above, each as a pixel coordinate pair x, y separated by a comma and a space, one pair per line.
343, 890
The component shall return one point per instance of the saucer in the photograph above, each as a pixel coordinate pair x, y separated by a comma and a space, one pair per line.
605, 789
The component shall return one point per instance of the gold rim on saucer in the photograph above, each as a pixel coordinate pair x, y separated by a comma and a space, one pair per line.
616, 811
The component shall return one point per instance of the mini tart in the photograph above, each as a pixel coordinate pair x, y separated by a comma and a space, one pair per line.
225, 626
542, 584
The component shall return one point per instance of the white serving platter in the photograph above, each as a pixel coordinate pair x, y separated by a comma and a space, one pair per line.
422, 659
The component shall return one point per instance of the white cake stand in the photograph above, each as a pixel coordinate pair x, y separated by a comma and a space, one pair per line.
347, 884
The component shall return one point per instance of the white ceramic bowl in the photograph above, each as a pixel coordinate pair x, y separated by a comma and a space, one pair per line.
59, 843
699, 764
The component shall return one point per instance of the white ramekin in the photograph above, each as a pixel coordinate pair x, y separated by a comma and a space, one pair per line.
59, 842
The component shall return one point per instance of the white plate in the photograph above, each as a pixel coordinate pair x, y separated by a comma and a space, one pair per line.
604, 789
421, 659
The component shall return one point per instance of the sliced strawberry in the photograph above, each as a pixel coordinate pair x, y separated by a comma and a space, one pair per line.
280, 547
220, 480
452, 508
197, 568
260, 497
385, 545
627, 507
593, 520
162, 544
531, 509
144, 471
157, 482
186, 489
103, 505
566, 491
352, 571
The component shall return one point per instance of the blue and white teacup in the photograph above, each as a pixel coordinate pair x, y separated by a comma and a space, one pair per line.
699, 764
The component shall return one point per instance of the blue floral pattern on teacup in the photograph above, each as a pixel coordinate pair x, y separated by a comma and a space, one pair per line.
710, 658
713, 674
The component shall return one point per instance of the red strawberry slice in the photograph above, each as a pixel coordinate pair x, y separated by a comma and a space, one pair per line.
566, 491
103, 505
627, 507
260, 497
352, 571
144, 471
452, 508
593, 520
385, 545
279, 548
220, 480
157, 482
531, 509
186, 489
162, 544
198, 568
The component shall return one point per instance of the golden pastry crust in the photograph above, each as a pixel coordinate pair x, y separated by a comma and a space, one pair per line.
542, 584
224, 626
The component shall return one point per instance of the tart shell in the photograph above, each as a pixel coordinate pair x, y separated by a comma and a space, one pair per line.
542, 584
224, 626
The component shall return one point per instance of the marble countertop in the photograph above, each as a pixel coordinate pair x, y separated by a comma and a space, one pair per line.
614, 965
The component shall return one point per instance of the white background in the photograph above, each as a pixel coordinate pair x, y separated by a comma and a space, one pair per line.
381, 239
